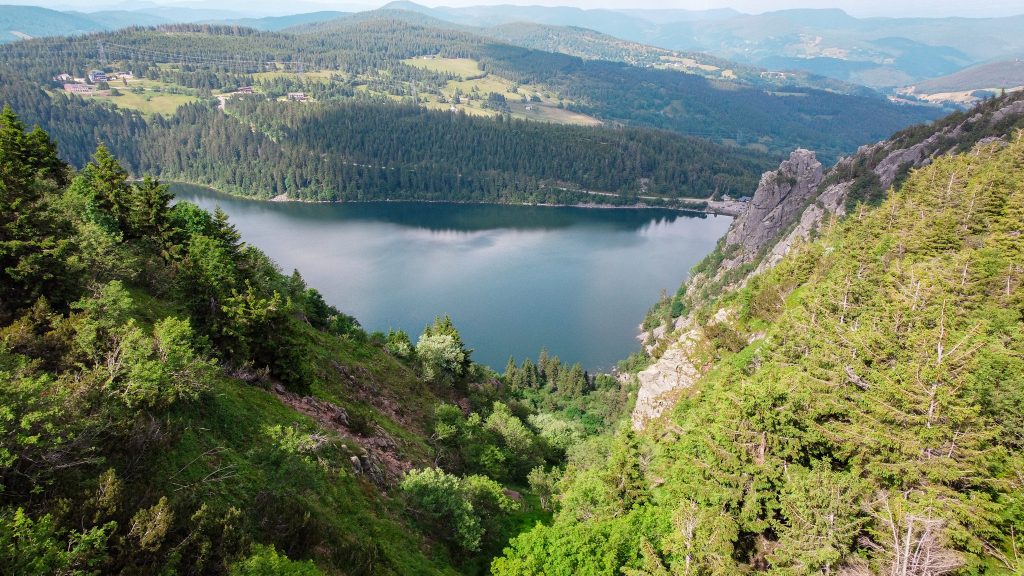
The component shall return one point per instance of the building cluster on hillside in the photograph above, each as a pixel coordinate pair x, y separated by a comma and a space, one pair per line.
297, 96
88, 84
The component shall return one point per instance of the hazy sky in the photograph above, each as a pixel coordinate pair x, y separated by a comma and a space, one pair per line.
855, 7
860, 8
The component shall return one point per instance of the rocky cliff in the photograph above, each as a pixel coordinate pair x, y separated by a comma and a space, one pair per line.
776, 202
788, 208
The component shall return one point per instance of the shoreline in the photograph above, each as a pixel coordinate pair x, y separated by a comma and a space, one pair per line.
712, 207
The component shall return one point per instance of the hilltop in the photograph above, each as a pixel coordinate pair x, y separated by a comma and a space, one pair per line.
971, 85
815, 47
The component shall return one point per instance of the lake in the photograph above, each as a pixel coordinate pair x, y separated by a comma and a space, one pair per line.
514, 279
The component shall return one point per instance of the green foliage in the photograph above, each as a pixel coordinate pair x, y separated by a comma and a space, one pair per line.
265, 561
543, 484
29, 168
500, 445
443, 357
30, 546
143, 371
822, 512
439, 497
128, 446
398, 345
515, 439
558, 432
567, 397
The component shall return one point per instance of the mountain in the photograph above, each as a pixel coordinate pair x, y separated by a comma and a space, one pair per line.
114, 19
793, 205
837, 390
274, 23
852, 405
668, 16
970, 84
191, 14
1004, 74
876, 52
394, 69
713, 106
610, 22
593, 45
20, 22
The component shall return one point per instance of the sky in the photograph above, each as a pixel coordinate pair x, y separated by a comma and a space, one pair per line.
859, 8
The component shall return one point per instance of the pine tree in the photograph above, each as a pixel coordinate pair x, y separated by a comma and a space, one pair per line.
33, 240
111, 195
624, 473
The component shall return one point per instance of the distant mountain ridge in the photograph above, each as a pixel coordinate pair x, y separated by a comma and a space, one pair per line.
24, 22
881, 53
877, 52
1002, 74
19, 22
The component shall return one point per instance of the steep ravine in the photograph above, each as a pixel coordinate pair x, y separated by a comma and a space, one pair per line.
788, 208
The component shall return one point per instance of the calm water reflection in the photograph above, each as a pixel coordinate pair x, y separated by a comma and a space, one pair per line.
513, 278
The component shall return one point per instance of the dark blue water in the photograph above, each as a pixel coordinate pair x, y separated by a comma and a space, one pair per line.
514, 279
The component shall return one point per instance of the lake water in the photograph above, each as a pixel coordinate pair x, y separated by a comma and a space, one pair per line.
514, 279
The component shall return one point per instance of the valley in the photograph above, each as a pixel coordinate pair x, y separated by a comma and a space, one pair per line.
313, 292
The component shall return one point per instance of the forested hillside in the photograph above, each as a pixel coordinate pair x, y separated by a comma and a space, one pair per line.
880, 52
592, 45
860, 409
172, 403
780, 119
359, 69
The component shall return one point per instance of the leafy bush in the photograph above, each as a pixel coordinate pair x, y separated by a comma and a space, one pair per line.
265, 561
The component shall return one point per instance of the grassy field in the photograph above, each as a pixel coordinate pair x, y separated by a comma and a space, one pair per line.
155, 98
549, 113
526, 101
545, 110
461, 66
150, 103
309, 74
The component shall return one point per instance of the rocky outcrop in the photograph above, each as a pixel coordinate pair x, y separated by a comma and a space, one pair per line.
658, 382
789, 207
893, 157
775, 204
676, 370
783, 218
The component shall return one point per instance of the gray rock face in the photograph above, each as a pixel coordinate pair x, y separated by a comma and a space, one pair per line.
832, 199
777, 202
673, 371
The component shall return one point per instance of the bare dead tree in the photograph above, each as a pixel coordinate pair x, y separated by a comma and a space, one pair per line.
917, 546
